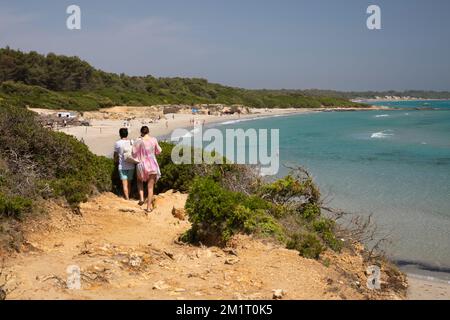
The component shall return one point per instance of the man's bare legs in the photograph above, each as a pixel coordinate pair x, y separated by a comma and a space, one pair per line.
126, 191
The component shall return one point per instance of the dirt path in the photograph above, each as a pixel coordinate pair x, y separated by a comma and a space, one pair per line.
124, 254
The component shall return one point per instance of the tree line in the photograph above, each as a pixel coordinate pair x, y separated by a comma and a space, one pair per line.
55, 81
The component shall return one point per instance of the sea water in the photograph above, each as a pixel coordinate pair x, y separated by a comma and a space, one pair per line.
394, 165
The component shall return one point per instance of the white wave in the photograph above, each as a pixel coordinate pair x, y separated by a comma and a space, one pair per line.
381, 135
251, 119
230, 122
240, 120
381, 116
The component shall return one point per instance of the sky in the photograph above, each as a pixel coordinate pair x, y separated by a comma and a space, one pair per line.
292, 44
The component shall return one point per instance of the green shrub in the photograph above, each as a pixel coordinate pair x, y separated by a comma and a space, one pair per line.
310, 211
290, 190
331, 240
217, 214
307, 244
323, 225
173, 176
58, 160
259, 222
180, 176
325, 228
14, 207
282, 190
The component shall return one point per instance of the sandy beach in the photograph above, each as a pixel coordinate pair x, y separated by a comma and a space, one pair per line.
102, 133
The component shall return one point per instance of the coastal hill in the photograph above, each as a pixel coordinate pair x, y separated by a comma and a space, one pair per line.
217, 231
60, 82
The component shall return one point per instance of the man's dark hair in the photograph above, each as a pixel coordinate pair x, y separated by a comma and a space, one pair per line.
145, 130
123, 133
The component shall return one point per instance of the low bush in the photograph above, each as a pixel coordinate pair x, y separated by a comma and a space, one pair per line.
60, 162
307, 244
180, 176
287, 209
310, 211
217, 214
174, 176
325, 228
14, 206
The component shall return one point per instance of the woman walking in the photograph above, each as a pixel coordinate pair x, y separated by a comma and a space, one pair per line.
145, 150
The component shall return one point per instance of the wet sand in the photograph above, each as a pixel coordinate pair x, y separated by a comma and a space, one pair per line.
423, 289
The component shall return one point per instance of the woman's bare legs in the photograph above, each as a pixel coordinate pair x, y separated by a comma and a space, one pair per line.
140, 185
150, 186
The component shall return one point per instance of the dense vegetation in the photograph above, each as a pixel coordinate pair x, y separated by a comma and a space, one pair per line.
56, 81
39, 162
36, 164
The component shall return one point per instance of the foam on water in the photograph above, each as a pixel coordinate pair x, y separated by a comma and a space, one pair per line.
246, 119
381, 135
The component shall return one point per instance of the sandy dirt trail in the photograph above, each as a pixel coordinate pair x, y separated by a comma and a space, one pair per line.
124, 254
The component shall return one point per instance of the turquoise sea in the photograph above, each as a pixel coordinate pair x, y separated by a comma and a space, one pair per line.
392, 164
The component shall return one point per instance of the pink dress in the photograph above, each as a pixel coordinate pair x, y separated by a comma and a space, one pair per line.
145, 151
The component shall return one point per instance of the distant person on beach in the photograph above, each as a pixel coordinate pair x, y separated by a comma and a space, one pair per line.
145, 150
123, 158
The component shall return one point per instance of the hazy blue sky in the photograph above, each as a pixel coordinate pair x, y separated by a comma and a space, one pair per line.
248, 43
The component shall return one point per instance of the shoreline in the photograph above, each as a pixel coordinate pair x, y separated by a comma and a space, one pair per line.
101, 135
